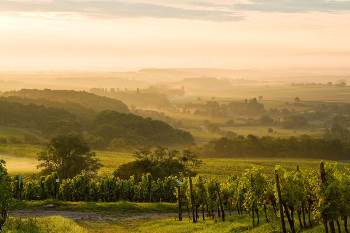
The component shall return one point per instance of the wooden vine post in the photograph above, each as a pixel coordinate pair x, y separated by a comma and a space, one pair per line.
278, 187
194, 218
323, 183
179, 199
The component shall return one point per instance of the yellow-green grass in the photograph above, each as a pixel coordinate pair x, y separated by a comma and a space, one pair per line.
54, 224
224, 167
233, 224
211, 167
20, 159
164, 225
20, 150
203, 136
16, 132
141, 218
112, 160
20, 166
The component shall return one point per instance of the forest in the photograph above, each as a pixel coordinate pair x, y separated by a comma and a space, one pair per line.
105, 122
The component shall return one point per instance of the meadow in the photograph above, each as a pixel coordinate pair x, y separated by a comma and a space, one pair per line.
91, 217
22, 160
129, 217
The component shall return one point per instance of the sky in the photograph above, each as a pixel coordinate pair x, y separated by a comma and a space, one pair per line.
134, 34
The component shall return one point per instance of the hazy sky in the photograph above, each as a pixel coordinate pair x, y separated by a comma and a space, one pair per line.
129, 34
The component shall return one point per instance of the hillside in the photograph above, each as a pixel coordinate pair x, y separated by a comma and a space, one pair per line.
47, 120
105, 129
71, 99
118, 128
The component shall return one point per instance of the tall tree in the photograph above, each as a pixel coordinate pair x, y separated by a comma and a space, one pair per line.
5, 193
68, 155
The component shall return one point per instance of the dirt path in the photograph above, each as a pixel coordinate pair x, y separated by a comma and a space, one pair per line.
78, 215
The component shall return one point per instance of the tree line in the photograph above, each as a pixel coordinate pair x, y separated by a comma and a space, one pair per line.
266, 146
105, 129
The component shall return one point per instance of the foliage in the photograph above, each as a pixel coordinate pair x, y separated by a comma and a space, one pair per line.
253, 146
68, 155
305, 198
42, 225
49, 121
160, 163
295, 122
74, 101
104, 122
137, 131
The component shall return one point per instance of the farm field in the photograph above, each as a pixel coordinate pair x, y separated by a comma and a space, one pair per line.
22, 160
100, 217
89, 217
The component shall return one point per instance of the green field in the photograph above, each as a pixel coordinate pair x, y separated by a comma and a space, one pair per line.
52, 224
128, 217
92, 217
22, 159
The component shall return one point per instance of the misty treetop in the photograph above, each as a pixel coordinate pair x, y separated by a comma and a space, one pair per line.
160, 163
68, 156
35, 117
136, 130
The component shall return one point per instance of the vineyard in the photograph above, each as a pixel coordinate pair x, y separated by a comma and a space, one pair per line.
289, 200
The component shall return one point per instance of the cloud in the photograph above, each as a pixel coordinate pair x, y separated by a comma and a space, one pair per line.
119, 9
210, 10
294, 5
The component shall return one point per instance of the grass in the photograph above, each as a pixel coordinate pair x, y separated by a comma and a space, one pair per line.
224, 167
20, 150
17, 132
112, 160
135, 218
121, 207
21, 159
233, 224
55, 224
149, 225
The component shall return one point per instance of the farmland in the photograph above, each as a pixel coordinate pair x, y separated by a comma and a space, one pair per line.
22, 159
240, 142
123, 216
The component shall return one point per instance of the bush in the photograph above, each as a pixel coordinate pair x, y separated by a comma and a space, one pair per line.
42, 225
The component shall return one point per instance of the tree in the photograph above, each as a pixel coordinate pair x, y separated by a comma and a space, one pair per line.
5, 193
160, 163
68, 155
